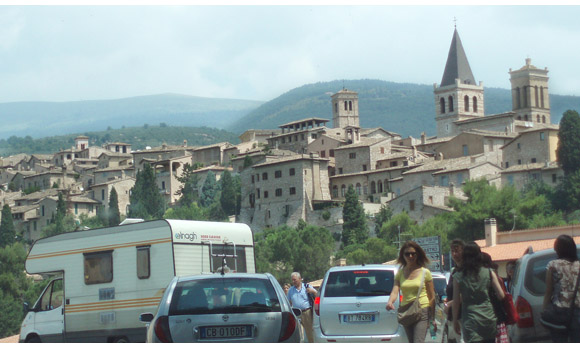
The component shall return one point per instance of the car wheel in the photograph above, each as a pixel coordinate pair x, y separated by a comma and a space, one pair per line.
121, 339
33, 339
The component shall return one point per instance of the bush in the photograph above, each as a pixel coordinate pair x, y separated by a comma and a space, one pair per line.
326, 215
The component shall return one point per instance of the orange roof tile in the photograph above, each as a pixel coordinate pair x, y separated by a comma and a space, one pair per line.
513, 251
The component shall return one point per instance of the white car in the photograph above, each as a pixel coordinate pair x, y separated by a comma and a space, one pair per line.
351, 306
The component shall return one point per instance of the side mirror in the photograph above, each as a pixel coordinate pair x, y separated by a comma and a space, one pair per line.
146, 317
297, 311
26, 307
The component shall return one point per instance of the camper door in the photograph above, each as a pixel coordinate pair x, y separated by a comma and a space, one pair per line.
49, 313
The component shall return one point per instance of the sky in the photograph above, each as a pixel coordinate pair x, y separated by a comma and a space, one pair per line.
71, 53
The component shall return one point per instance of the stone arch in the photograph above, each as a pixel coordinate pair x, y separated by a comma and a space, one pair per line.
450, 99
466, 103
442, 105
474, 104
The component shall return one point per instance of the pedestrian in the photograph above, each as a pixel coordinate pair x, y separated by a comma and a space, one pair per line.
561, 280
501, 333
412, 279
298, 295
286, 288
471, 290
510, 267
457, 246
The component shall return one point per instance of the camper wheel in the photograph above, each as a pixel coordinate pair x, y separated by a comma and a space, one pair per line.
119, 339
33, 339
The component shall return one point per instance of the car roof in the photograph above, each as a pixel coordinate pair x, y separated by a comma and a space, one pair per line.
223, 276
361, 267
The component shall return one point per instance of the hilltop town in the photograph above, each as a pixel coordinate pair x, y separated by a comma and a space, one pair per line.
301, 170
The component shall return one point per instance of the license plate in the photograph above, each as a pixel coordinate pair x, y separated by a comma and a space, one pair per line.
239, 331
358, 318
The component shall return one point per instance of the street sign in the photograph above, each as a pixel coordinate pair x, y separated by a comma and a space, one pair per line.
432, 247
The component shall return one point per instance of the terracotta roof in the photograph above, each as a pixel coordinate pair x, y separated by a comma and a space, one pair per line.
513, 251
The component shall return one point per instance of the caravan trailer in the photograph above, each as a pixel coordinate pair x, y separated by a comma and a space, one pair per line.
106, 277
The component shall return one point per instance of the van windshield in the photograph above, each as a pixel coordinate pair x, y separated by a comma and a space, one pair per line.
359, 283
224, 295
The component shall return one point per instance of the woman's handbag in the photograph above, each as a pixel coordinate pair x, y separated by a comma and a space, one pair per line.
559, 318
504, 309
410, 313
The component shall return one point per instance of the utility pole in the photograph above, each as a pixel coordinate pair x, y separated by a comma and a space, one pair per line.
404, 234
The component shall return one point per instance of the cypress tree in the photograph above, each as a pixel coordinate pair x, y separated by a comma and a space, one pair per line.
228, 195
146, 201
208, 190
568, 151
354, 227
114, 214
7, 230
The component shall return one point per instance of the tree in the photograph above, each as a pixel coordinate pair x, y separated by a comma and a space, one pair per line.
354, 228
146, 201
568, 151
384, 215
209, 190
191, 212
7, 230
247, 162
228, 194
114, 214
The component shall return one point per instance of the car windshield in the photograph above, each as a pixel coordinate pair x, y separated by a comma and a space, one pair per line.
224, 295
359, 283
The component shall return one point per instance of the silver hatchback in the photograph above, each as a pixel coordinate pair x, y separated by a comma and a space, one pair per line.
232, 307
351, 306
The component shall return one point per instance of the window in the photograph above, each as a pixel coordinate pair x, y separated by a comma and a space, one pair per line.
102, 194
543, 119
264, 176
342, 190
554, 178
349, 105
373, 188
443, 180
163, 185
331, 153
292, 171
380, 186
278, 192
76, 208
510, 179
345, 105
322, 153
352, 155
335, 191
52, 297
411, 205
339, 170
459, 178
533, 160
519, 161
538, 118
358, 189
542, 136
450, 103
466, 102
143, 262
383, 150
393, 163
278, 174
335, 107
257, 177
474, 104
365, 189
442, 104
465, 150
258, 193
364, 168
265, 194
98, 267
313, 136
519, 146
302, 136
293, 190
252, 179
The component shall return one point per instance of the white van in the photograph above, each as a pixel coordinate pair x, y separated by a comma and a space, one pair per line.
107, 277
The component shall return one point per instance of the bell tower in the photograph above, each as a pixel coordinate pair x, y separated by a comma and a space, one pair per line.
345, 109
530, 98
457, 97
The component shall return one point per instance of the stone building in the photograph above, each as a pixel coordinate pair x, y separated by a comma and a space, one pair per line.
424, 202
102, 193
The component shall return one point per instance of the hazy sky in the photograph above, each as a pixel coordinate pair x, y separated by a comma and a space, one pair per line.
67, 53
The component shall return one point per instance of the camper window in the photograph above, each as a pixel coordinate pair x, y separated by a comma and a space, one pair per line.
99, 267
237, 264
143, 263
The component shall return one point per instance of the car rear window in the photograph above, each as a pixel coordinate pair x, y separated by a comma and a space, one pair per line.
224, 295
359, 283
535, 276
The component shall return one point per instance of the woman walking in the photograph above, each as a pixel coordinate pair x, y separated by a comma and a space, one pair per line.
471, 290
500, 314
561, 280
412, 279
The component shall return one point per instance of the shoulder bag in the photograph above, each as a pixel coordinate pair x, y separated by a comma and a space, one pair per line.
410, 313
559, 318
505, 310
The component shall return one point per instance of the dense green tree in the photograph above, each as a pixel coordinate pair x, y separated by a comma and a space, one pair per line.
568, 193
216, 213
146, 200
67, 224
354, 229
247, 162
209, 190
384, 215
373, 251
7, 230
399, 223
568, 151
114, 214
228, 194
191, 212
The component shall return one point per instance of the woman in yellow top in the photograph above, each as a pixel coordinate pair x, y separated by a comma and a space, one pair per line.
413, 259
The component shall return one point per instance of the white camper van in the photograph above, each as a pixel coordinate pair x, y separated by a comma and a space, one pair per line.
107, 277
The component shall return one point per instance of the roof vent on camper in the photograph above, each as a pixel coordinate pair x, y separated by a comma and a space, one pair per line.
130, 221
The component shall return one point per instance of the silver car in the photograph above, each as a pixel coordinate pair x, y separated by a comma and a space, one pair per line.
351, 306
231, 307
528, 289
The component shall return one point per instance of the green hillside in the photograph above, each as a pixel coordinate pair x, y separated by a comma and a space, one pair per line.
405, 108
138, 137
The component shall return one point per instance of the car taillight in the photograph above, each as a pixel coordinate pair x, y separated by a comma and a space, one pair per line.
288, 326
162, 329
317, 306
400, 299
525, 312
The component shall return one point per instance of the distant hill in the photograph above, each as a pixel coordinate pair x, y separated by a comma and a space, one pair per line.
405, 108
138, 137
41, 119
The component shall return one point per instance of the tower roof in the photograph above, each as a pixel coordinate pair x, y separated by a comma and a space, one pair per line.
457, 66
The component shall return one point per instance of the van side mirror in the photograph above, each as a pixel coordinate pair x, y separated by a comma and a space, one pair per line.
146, 317
26, 307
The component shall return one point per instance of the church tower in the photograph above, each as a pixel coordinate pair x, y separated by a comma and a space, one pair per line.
458, 97
530, 99
345, 109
